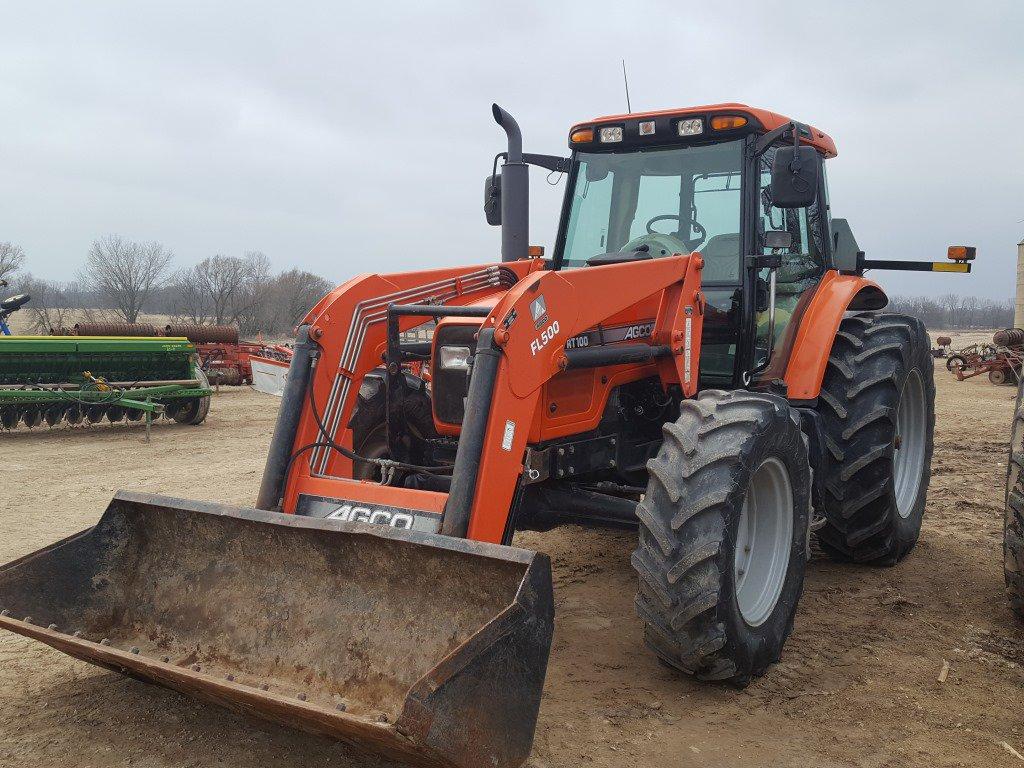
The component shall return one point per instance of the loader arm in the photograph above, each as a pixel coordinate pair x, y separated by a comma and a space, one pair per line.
522, 346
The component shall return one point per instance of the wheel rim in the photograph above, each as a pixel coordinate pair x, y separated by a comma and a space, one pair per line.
909, 445
763, 542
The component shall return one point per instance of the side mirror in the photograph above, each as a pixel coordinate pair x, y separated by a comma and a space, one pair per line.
492, 199
778, 239
794, 177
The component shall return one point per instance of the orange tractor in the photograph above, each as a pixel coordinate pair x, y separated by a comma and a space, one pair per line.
701, 359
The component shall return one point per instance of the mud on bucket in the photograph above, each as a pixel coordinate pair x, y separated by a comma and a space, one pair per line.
420, 647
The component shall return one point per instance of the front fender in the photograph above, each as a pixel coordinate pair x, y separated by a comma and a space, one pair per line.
836, 295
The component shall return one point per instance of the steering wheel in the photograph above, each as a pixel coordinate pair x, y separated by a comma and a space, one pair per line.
702, 234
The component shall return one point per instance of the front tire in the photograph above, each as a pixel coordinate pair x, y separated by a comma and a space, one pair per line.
723, 536
877, 403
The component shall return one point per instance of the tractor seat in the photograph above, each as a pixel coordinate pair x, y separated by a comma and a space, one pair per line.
721, 254
15, 302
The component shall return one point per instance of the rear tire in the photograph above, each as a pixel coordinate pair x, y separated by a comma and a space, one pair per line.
702, 614
1013, 512
194, 410
877, 403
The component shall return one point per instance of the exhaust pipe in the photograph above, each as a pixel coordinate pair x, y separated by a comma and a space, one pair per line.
515, 192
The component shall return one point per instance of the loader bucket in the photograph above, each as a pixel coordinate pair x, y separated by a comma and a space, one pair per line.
420, 647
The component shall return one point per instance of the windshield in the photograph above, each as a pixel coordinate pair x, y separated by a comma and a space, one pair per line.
665, 201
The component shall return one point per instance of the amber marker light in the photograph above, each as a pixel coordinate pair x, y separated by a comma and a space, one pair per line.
727, 122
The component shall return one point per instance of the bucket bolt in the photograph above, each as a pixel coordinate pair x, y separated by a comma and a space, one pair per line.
104, 641
52, 627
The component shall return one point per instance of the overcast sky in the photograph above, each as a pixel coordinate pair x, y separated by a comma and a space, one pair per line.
349, 139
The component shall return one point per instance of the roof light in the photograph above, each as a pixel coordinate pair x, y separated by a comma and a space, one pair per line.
581, 136
647, 128
961, 252
694, 126
610, 134
727, 122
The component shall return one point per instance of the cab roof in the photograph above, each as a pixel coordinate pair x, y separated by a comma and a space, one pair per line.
761, 120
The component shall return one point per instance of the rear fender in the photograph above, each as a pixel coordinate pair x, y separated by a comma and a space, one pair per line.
836, 295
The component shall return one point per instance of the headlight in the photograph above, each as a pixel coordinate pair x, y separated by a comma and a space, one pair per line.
453, 358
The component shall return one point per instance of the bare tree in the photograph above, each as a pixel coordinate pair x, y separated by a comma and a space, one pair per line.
243, 291
295, 292
253, 311
52, 303
125, 273
189, 300
11, 258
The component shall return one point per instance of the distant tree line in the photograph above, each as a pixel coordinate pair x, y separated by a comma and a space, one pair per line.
123, 279
953, 311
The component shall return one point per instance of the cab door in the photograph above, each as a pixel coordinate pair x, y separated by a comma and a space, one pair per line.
779, 298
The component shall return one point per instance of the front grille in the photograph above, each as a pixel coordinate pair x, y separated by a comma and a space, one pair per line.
449, 388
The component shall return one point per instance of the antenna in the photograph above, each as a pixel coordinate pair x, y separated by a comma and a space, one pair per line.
625, 80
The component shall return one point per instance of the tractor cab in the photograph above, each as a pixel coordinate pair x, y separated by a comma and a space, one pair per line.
649, 185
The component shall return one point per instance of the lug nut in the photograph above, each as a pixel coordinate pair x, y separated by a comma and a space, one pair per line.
383, 718
165, 659
302, 697
135, 649
341, 707
231, 678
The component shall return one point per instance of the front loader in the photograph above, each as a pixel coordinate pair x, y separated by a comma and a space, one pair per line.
702, 359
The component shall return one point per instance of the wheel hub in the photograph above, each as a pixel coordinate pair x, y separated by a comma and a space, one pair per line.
909, 444
763, 542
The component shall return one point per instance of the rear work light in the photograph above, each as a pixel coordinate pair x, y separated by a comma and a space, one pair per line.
611, 134
727, 122
693, 126
961, 252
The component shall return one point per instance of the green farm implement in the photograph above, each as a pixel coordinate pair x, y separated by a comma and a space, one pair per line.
68, 379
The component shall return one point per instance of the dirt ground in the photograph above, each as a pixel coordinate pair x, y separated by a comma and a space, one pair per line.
857, 685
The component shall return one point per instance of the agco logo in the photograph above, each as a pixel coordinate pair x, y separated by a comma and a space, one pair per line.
641, 331
375, 516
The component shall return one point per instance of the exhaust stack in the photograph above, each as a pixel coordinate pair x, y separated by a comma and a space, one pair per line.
515, 192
